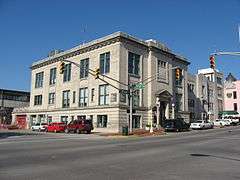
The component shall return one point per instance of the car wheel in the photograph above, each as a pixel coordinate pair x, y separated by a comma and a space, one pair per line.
55, 130
66, 131
89, 132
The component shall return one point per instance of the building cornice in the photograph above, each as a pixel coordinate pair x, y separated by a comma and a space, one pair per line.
105, 41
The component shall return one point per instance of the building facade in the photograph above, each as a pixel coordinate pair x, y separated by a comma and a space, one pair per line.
206, 94
76, 94
10, 99
232, 94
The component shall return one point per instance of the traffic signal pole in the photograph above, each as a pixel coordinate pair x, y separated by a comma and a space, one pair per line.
131, 87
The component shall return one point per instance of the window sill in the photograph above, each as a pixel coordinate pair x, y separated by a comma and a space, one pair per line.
134, 75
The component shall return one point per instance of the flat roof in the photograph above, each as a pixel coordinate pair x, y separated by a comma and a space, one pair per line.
148, 43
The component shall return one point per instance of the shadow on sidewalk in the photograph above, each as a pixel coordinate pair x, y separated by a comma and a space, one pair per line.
7, 134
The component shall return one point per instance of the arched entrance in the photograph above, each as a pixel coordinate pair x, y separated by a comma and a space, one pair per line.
163, 100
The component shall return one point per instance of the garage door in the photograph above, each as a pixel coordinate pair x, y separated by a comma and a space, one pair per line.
21, 121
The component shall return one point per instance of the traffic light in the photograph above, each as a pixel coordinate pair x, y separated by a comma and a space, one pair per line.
62, 67
178, 73
96, 73
212, 62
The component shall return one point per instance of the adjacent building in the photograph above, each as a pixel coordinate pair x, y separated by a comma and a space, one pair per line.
10, 99
232, 95
206, 97
76, 94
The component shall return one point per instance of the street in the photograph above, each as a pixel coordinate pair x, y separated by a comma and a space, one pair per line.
198, 155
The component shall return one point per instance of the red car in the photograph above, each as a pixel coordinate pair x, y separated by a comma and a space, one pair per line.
79, 126
56, 127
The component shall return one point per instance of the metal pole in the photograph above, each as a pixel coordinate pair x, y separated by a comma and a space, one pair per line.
131, 108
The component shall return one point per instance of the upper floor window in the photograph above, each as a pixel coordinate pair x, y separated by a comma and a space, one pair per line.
136, 98
105, 63
161, 70
38, 100
67, 73
39, 80
84, 67
74, 96
234, 94
66, 99
133, 63
53, 72
235, 108
83, 97
104, 94
219, 80
51, 98
190, 87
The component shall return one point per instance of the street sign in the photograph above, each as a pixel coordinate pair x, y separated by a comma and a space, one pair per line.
139, 86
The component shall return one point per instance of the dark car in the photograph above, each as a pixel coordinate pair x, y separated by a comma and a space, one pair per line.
176, 125
79, 126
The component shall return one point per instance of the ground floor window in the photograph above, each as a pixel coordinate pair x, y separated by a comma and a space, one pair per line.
102, 121
49, 119
64, 119
136, 121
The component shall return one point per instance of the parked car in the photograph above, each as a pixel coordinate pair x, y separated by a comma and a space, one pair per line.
79, 126
227, 121
56, 127
219, 122
175, 125
201, 124
39, 127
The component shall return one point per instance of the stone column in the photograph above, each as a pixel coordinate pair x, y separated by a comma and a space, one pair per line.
173, 111
158, 112
167, 111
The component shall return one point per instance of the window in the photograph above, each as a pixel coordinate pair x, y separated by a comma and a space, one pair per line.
67, 73
161, 70
74, 97
191, 103
83, 97
39, 80
38, 100
178, 102
92, 94
234, 94
52, 76
136, 99
235, 108
84, 67
102, 121
51, 98
103, 95
105, 63
136, 121
219, 92
133, 63
229, 95
64, 119
191, 87
66, 99
219, 80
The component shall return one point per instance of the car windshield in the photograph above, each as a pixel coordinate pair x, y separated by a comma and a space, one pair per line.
38, 124
44, 123
199, 121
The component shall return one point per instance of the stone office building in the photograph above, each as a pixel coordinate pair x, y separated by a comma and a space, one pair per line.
77, 94
205, 94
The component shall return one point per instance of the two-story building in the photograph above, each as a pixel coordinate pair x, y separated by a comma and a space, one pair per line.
77, 94
10, 99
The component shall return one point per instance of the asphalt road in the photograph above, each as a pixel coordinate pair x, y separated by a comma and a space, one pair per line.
198, 155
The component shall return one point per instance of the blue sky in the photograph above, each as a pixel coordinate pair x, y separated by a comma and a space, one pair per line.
30, 29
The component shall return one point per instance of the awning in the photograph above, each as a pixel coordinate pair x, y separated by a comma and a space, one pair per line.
228, 113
